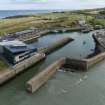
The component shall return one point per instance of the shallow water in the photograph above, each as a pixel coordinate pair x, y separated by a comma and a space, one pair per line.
64, 88
81, 47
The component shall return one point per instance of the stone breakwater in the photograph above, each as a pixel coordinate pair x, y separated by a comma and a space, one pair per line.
18, 68
50, 48
38, 80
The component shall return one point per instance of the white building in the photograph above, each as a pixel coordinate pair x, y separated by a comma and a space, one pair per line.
82, 22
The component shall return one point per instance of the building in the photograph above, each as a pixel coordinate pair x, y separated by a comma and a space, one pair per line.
16, 51
15, 54
82, 22
12, 42
100, 16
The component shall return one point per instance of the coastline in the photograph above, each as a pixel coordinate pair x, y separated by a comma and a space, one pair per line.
53, 22
13, 13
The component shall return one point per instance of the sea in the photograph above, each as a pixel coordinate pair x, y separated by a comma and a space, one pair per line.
7, 13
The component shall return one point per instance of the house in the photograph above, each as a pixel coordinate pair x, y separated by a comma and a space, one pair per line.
82, 23
15, 54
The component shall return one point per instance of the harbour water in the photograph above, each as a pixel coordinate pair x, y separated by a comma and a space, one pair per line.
64, 88
81, 47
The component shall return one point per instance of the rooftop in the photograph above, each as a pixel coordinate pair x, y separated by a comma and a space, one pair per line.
17, 49
13, 42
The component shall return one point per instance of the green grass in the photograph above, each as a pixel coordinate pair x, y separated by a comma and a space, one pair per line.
100, 22
3, 65
44, 21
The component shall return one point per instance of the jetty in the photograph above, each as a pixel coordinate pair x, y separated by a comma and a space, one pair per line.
40, 79
50, 48
68, 64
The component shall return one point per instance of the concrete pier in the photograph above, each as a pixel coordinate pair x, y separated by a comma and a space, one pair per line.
94, 60
38, 80
20, 67
5, 75
55, 45
84, 64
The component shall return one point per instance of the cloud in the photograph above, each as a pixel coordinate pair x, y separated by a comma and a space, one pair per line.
27, 1
51, 4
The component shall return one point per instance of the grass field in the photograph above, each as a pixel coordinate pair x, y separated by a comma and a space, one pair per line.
47, 20
44, 21
100, 22
3, 65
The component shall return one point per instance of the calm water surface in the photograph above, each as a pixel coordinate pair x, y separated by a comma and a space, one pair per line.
6, 13
64, 88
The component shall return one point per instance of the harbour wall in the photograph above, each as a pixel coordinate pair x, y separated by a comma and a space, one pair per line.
28, 38
75, 64
84, 64
94, 60
40, 79
55, 45
20, 67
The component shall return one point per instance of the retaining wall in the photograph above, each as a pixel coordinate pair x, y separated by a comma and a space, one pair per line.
98, 40
38, 80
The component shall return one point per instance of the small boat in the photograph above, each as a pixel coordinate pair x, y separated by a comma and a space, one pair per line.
55, 31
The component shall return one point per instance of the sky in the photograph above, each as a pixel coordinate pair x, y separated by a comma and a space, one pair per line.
50, 4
